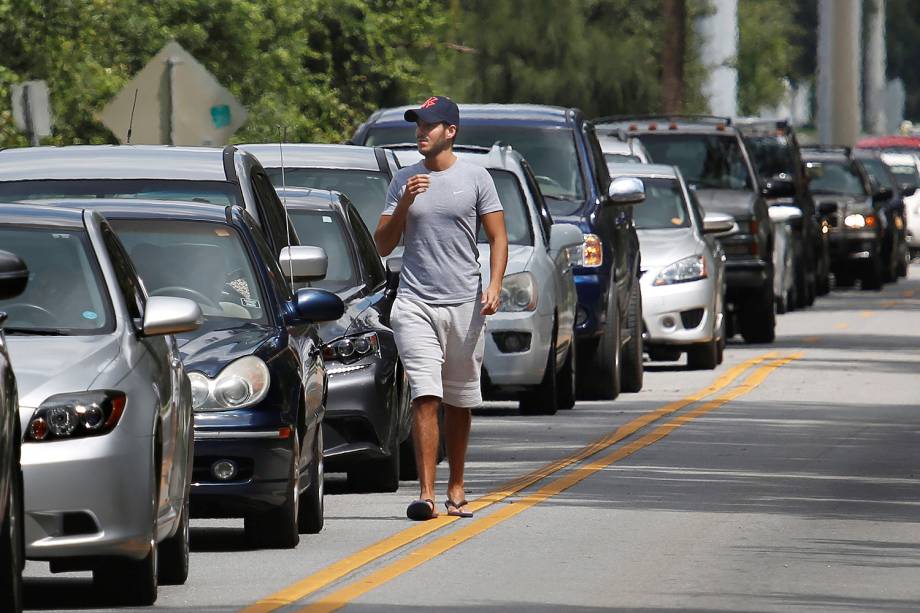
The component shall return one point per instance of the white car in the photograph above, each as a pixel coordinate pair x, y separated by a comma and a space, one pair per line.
529, 349
619, 148
782, 216
683, 278
906, 167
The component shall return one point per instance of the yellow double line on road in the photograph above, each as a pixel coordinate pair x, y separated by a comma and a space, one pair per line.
344, 567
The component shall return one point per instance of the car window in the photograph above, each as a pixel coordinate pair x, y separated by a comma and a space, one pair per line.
367, 249
906, 175
326, 229
66, 292
132, 289
203, 261
705, 160
274, 222
878, 170
366, 189
772, 155
621, 158
546, 218
517, 217
663, 207
833, 177
211, 192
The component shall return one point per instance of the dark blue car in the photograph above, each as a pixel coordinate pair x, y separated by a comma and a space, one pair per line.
562, 148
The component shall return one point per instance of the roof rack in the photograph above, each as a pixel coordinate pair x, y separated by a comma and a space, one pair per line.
662, 117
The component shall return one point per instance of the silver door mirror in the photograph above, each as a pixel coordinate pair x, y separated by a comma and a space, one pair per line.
170, 315
719, 223
563, 235
784, 214
626, 190
304, 263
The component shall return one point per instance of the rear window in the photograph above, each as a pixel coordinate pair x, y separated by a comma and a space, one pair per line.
213, 192
772, 155
517, 218
708, 161
664, 206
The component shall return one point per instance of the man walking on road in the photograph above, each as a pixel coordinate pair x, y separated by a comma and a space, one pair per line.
437, 206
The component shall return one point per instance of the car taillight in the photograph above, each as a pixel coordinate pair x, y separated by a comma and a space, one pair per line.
70, 416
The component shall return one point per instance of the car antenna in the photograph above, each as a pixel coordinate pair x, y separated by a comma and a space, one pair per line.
131, 121
287, 216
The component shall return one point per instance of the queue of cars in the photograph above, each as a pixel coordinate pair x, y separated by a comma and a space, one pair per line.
204, 332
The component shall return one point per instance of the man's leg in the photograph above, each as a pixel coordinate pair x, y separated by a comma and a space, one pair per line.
457, 423
425, 436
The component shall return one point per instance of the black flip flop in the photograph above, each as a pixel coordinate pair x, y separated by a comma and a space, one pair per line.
457, 508
420, 510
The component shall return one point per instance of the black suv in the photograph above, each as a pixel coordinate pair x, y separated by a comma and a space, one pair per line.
895, 254
855, 214
714, 161
562, 148
774, 149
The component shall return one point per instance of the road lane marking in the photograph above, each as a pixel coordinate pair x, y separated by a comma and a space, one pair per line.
345, 566
427, 552
841, 326
908, 294
867, 314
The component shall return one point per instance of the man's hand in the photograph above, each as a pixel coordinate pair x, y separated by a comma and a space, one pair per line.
490, 301
417, 184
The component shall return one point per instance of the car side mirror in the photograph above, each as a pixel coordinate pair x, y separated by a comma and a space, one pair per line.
170, 315
719, 224
908, 190
304, 263
778, 188
564, 235
784, 214
626, 190
317, 305
14, 276
394, 268
827, 208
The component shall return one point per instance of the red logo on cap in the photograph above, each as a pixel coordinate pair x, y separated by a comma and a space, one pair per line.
430, 102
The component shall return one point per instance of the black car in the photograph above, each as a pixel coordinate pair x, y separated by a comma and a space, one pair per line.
775, 151
368, 419
895, 254
561, 146
13, 279
256, 366
855, 215
714, 161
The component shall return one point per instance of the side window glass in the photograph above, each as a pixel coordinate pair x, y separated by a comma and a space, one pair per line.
696, 210
274, 220
272, 267
546, 219
602, 176
130, 285
367, 250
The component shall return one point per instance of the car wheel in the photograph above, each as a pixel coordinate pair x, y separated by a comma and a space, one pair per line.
11, 546
781, 302
311, 513
633, 369
130, 582
758, 318
543, 399
277, 528
599, 375
566, 380
873, 278
174, 552
703, 356
903, 263
379, 475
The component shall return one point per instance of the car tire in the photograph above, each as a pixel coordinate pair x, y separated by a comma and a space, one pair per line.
379, 475
543, 399
130, 582
631, 363
566, 380
599, 375
11, 546
873, 278
311, 511
758, 319
703, 356
277, 528
173, 563
781, 302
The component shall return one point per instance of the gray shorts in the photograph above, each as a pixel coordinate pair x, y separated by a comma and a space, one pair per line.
441, 349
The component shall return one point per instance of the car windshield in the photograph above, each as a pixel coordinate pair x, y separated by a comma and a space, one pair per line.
550, 151
517, 218
706, 160
621, 158
326, 229
66, 294
878, 170
203, 261
830, 177
214, 192
906, 175
367, 189
663, 207
771, 155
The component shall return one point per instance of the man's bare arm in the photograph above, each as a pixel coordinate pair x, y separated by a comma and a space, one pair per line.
390, 227
494, 226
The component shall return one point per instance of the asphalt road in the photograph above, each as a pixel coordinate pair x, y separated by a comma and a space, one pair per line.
786, 479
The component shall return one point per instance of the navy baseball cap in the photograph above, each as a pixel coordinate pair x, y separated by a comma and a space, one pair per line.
436, 109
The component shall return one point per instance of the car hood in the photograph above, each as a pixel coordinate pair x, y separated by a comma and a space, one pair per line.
518, 259
48, 365
735, 202
209, 349
662, 247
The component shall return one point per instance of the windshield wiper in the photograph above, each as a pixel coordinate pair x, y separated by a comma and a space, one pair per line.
12, 330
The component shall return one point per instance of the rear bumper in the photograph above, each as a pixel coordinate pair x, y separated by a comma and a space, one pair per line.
590, 317
747, 274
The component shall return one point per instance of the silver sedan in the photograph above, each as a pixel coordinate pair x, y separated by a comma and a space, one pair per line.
104, 405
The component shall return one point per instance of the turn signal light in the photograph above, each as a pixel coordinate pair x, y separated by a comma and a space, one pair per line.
593, 251
871, 221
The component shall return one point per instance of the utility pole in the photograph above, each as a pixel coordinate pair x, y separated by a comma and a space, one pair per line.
719, 53
674, 14
876, 81
839, 71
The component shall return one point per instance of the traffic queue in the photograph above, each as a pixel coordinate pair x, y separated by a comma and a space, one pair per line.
193, 332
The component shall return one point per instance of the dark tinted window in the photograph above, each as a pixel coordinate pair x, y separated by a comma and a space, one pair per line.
832, 177
878, 170
546, 218
906, 175
325, 229
705, 160
274, 224
517, 217
367, 249
772, 155
215, 192
663, 207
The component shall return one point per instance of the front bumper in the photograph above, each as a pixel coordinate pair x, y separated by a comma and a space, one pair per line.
852, 248
89, 497
678, 314
590, 315
510, 371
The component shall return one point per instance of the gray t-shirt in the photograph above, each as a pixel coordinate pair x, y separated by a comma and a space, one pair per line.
440, 263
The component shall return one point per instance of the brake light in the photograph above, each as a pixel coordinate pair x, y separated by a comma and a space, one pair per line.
673, 126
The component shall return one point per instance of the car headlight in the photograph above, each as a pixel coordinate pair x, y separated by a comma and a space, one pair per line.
242, 384
70, 416
857, 221
592, 251
681, 271
519, 293
351, 348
